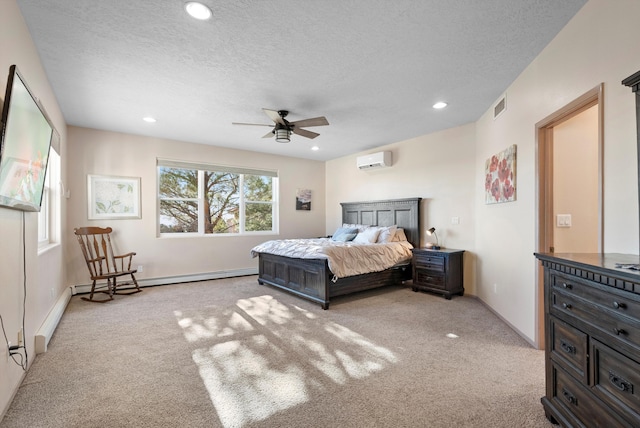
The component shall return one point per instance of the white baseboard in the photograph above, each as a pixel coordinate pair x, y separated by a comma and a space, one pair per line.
44, 333
513, 327
149, 282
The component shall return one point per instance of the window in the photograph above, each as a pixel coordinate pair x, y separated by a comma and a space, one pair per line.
47, 217
213, 199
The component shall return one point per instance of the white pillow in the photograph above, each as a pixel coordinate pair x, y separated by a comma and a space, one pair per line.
387, 234
367, 236
360, 227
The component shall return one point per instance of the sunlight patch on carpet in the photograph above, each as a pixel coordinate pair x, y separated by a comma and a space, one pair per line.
262, 356
198, 326
245, 385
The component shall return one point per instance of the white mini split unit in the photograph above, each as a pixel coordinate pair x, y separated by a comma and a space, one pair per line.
374, 160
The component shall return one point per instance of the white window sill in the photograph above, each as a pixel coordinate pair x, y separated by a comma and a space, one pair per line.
44, 248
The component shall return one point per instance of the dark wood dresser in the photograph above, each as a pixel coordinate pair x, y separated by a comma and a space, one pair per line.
438, 271
592, 327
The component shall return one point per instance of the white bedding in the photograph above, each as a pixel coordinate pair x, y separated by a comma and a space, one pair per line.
344, 258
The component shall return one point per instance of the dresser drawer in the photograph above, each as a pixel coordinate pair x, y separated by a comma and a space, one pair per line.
620, 302
429, 261
569, 349
430, 278
607, 321
574, 400
616, 380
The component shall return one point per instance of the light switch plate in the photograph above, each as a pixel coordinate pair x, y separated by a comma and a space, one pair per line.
563, 220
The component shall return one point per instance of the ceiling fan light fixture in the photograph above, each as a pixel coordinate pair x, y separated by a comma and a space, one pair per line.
198, 10
282, 135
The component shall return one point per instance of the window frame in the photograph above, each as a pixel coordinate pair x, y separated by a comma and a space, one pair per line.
242, 202
49, 214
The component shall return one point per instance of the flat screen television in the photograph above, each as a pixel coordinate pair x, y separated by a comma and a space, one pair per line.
25, 141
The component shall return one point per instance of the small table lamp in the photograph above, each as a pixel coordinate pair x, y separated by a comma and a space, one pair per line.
432, 231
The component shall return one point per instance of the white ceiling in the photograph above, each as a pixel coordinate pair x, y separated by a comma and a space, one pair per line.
373, 68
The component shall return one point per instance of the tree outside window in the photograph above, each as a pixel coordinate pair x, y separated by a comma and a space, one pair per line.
217, 201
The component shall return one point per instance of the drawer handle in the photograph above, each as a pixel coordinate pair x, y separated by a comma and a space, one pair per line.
568, 348
569, 397
619, 305
620, 383
619, 331
565, 285
566, 305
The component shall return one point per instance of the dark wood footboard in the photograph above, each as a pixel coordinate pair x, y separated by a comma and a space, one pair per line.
311, 279
306, 278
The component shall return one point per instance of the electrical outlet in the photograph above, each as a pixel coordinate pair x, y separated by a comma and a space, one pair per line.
140, 269
495, 288
20, 337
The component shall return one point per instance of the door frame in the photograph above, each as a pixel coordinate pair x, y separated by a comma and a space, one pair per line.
544, 185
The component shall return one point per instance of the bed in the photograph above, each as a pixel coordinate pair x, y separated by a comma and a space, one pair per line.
312, 279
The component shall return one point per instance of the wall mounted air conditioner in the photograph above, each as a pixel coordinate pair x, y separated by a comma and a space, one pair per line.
374, 160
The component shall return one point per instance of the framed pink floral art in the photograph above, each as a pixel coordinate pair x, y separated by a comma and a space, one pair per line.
500, 177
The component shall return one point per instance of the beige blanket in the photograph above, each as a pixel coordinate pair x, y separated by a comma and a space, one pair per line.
344, 258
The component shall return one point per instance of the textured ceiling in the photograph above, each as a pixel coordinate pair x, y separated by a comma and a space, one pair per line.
373, 68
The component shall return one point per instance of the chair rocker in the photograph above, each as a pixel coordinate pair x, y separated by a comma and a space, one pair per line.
103, 264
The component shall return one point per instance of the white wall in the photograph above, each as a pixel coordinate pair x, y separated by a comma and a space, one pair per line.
109, 153
439, 168
598, 45
16, 47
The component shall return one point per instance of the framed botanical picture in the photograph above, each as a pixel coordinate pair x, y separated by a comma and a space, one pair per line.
113, 197
500, 177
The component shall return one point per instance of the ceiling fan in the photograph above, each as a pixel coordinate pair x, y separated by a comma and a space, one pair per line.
283, 128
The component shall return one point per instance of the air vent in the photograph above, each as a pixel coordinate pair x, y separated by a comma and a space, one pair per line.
500, 107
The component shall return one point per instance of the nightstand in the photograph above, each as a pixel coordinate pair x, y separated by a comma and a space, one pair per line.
438, 271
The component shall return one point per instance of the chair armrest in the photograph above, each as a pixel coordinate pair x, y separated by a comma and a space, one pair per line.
125, 258
125, 255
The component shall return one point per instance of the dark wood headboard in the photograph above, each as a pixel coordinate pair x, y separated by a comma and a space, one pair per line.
404, 213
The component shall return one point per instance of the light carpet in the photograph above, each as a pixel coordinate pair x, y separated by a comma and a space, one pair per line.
232, 353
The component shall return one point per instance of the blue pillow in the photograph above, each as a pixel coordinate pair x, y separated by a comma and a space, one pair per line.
344, 234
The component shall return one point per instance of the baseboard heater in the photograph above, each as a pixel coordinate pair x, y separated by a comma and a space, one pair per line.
44, 333
150, 282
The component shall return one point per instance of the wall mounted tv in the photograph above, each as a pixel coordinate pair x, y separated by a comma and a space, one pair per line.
25, 140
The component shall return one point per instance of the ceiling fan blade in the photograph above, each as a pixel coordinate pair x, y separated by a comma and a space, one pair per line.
304, 133
316, 121
270, 134
274, 115
250, 124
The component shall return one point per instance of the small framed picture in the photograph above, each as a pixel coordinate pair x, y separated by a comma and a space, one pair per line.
303, 200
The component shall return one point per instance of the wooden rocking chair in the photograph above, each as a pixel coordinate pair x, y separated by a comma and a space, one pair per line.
103, 264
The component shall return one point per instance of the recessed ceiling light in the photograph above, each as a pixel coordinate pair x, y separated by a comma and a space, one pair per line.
198, 10
315, 148
149, 119
440, 104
